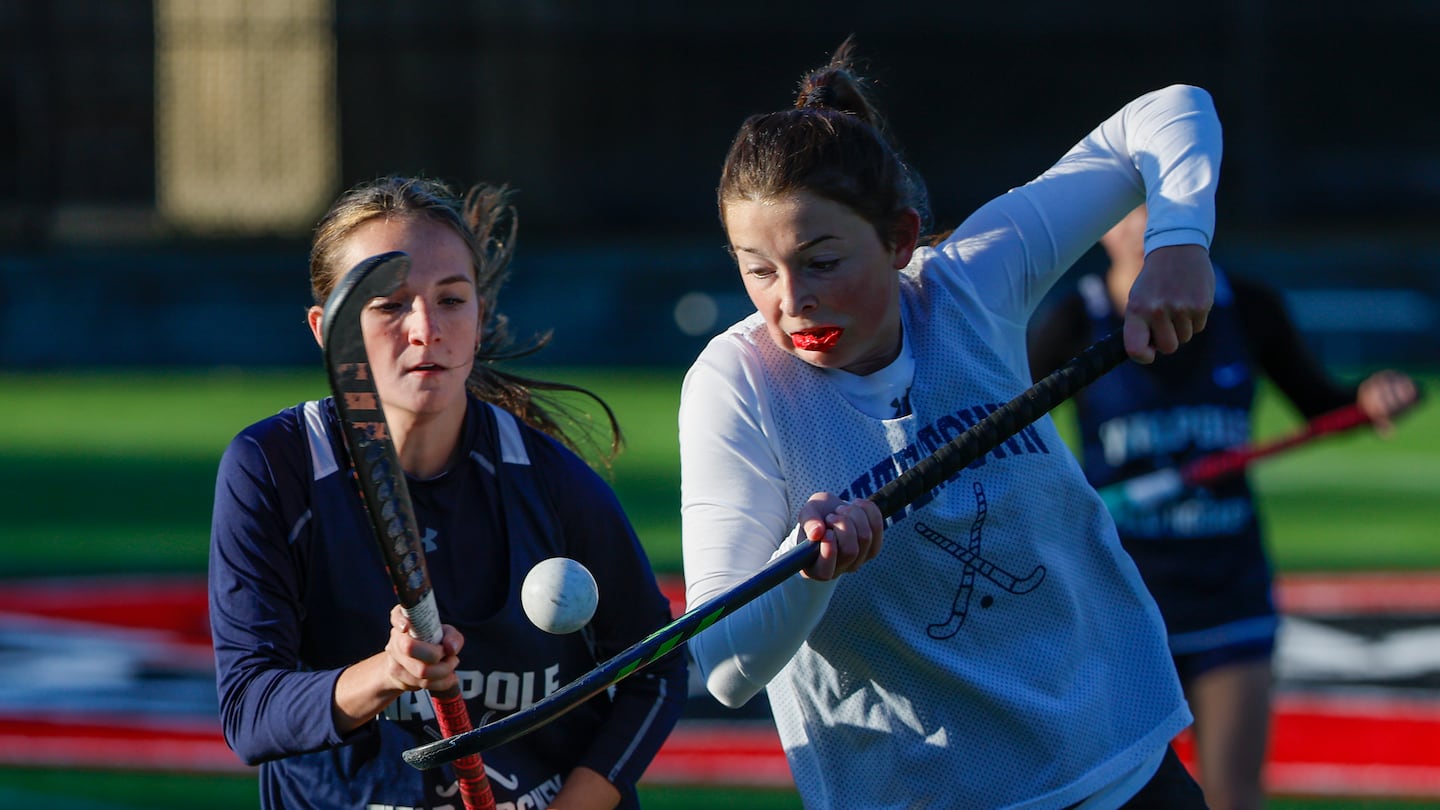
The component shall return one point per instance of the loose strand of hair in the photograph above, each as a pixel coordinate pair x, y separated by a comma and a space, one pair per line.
551, 414
495, 222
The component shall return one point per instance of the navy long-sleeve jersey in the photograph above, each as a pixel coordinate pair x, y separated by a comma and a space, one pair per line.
1202, 554
298, 592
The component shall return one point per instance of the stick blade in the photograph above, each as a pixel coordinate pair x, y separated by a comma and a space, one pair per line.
371, 449
374, 277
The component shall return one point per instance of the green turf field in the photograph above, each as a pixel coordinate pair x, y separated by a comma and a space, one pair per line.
103, 790
112, 471
116, 471
108, 790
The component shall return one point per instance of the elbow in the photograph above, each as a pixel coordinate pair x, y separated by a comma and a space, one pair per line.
722, 675
250, 758
1193, 96
1193, 90
730, 701
248, 753
240, 724
244, 744
730, 687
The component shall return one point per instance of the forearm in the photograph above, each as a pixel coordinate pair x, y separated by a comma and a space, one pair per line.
742, 653
270, 713
1162, 149
734, 514
1281, 352
1177, 150
361, 693
271, 704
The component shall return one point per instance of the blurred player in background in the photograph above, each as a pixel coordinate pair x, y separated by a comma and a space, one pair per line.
319, 681
1032, 671
1201, 554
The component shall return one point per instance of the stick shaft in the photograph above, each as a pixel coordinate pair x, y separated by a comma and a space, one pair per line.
1150, 489
930, 472
1217, 466
1004, 422
383, 490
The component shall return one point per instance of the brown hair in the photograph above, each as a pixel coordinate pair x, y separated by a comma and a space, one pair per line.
833, 144
487, 222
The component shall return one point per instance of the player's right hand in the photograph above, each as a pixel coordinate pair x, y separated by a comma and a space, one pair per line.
416, 664
1169, 302
850, 534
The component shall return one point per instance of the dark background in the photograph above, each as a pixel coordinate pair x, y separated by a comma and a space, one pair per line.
611, 119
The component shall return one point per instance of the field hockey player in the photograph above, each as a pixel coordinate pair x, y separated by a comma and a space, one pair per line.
1000, 649
320, 682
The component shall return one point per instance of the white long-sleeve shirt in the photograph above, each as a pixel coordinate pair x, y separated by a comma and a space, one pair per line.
1001, 651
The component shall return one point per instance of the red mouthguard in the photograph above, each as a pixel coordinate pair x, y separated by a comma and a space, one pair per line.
821, 339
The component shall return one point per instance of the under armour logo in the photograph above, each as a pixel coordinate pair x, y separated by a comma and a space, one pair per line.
901, 404
429, 540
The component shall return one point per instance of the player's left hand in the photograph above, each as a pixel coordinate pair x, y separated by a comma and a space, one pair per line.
1169, 302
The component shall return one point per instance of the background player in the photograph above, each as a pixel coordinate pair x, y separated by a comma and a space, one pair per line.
1201, 554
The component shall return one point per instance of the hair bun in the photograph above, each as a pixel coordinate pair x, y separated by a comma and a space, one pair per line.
819, 96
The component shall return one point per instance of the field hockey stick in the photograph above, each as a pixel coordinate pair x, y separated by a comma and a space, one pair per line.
927, 474
1155, 488
383, 489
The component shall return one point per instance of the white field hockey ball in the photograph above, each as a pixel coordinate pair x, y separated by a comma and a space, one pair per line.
559, 595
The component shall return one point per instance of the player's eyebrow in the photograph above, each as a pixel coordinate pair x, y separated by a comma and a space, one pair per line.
803, 246
458, 278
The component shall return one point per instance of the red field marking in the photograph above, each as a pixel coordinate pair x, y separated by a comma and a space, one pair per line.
1331, 745
1349, 747
1366, 747
1320, 594
177, 605
704, 753
131, 743
674, 589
